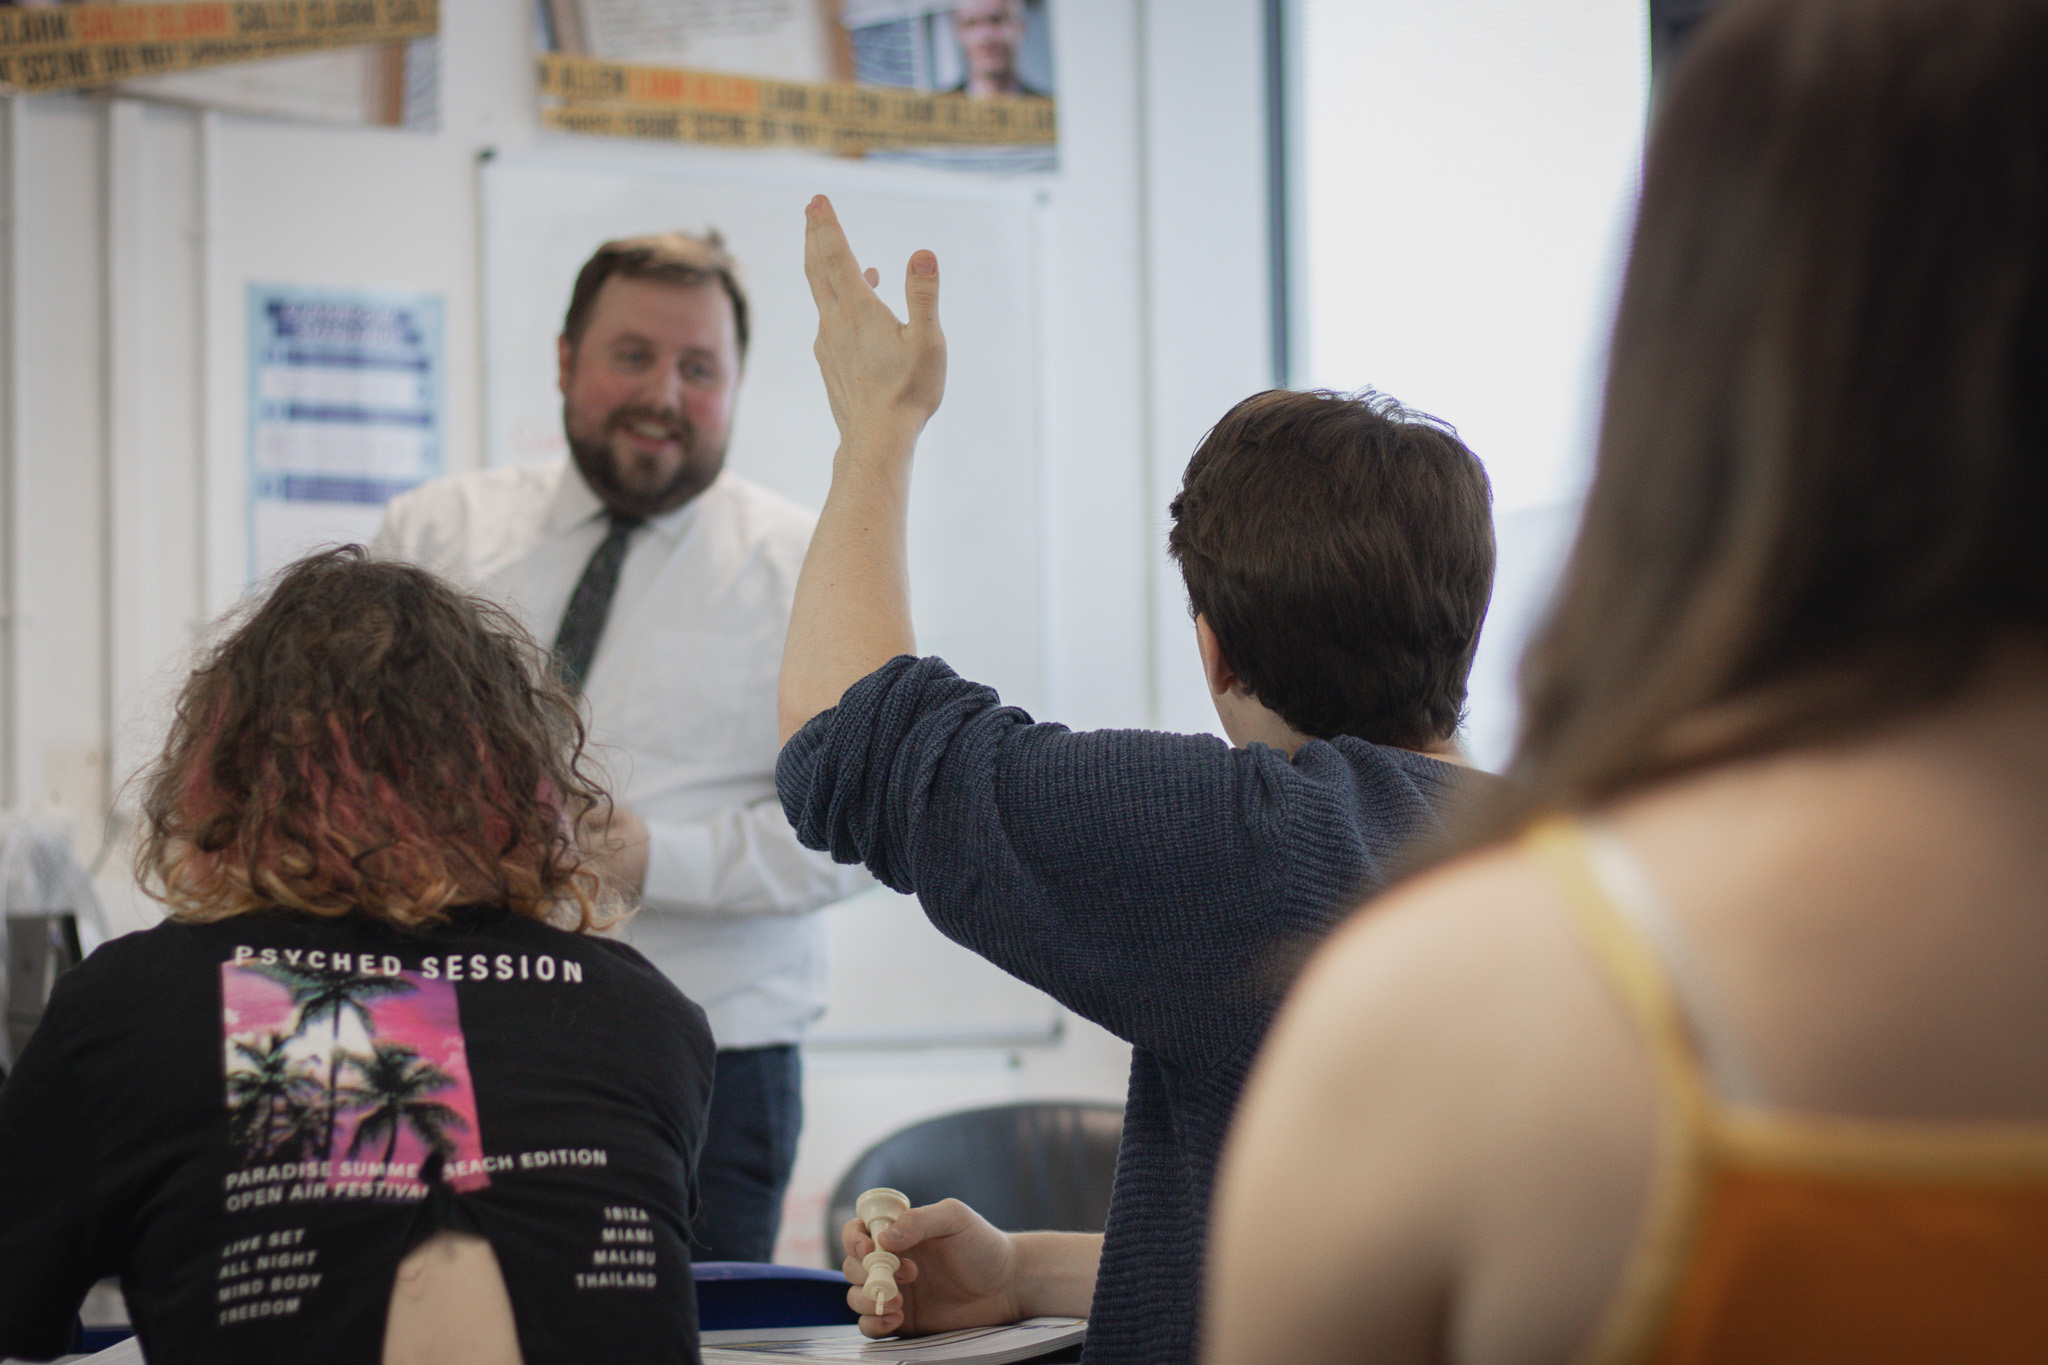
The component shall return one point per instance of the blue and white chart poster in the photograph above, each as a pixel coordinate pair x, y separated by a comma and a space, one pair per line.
345, 411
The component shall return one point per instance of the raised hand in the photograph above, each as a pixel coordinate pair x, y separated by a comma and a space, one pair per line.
885, 378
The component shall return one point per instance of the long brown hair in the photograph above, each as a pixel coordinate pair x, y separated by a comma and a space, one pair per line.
368, 739
1820, 486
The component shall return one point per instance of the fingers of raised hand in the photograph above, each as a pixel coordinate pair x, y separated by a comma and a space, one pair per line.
828, 260
921, 289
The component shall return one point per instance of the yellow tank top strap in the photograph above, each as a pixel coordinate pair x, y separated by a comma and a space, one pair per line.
1641, 1303
1560, 846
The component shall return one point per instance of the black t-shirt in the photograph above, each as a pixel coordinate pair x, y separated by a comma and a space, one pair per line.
252, 1122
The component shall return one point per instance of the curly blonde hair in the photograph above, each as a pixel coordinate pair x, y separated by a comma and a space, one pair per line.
367, 739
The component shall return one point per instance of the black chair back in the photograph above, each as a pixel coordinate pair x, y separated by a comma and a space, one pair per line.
1037, 1166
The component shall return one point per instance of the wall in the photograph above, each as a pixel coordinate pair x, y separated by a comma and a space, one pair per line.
133, 230
1482, 288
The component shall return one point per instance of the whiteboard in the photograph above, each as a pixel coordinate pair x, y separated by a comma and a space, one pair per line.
977, 518
977, 531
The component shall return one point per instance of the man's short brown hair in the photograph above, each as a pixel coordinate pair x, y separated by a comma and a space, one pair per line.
669, 257
1341, 547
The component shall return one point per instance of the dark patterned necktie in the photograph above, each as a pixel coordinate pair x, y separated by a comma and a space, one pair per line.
583, 622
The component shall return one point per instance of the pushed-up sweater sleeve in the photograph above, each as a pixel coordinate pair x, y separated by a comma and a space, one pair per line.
1150, 882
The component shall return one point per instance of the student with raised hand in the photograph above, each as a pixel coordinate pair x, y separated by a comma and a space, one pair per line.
1726, 1042
376, 1091
1338, 553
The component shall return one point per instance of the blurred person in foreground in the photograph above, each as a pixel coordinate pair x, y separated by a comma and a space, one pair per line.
374, 1091
1725, 1042
1337, 551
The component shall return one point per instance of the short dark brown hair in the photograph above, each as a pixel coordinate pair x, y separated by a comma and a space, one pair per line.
669, 257
1341, 547
1823, 463
368, 739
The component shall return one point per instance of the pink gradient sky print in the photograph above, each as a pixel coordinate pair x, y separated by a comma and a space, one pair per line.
436, 1091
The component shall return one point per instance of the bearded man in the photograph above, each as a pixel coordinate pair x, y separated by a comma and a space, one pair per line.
665, 583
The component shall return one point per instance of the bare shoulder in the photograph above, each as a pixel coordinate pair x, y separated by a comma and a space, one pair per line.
1478, 886
1468, 922
1462, 985
1471, 983
1403, 1038
1454, 1108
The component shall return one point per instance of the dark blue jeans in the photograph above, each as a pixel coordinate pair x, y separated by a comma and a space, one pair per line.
757, 1111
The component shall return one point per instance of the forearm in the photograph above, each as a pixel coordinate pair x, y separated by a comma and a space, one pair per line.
1056, 1272
884, 379
914, 763
852, 608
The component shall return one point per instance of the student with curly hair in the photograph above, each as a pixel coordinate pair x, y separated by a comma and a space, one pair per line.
374, 1090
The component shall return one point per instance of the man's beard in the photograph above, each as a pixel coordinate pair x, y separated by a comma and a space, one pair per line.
595, 461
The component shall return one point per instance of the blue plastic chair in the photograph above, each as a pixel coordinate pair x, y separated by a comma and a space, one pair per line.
93, 1340
750, 1294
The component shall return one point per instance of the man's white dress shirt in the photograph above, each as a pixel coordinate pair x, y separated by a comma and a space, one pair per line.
681, 700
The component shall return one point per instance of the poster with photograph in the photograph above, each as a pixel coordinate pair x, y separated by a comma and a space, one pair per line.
959, 83
981, 49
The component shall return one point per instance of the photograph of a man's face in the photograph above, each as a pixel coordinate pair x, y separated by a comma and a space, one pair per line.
991, 36
977, 48
982, 49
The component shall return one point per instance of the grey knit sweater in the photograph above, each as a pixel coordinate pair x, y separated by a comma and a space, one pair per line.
1155, 883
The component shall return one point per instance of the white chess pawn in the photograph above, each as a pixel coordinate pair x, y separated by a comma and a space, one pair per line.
878, 1210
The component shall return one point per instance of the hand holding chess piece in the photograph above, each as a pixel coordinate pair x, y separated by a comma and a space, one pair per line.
878, 1210
950, 1269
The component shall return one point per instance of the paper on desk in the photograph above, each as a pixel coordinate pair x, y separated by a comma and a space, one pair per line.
974, 1346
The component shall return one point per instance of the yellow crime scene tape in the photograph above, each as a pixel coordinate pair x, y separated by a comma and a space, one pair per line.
73, 46
619, 99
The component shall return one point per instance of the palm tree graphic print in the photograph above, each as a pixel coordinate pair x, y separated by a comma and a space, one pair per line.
393, 1097
364, 1072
